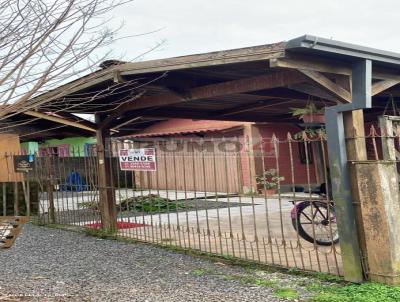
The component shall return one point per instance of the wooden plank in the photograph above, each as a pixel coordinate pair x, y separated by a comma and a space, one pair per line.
311, 64
328, 66
333, 88
59, 120
77, 119
381, 86
13, 225
241, 55
9, 146
279, 79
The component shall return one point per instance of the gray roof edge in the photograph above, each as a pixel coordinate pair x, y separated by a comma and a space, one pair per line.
342, 48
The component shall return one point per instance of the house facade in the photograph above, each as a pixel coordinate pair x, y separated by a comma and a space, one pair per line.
263, 146
66, 147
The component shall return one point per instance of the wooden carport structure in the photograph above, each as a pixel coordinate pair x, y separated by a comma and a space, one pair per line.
251, 84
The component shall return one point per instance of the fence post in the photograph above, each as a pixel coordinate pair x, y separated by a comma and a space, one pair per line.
378, 187
108, 209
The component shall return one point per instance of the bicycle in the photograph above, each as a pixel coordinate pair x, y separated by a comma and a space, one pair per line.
315, 220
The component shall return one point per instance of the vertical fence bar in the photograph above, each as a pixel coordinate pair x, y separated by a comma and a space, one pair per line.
4, 199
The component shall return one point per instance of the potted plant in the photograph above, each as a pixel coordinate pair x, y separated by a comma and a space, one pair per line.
268, 182
309, 114
310, 133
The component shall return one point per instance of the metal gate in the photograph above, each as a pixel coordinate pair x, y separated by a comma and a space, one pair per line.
221, 196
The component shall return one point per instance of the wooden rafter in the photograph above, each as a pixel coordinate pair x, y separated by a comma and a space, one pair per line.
330, 86
250, 107
126, 121
273, 80
381, 86
59, 120
314, 65
72, 117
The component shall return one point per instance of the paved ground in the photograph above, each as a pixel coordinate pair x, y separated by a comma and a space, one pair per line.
55, 265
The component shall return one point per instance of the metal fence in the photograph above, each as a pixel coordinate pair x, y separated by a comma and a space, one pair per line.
257, 200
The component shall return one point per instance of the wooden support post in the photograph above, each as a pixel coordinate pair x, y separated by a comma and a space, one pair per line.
253, 139
107, 204
356, 151
4, 199
388, 147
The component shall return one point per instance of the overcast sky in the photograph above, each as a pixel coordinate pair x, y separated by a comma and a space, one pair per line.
194, 26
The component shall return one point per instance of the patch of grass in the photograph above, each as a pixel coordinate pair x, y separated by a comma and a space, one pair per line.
251, 280
100, 233
151, 203
167, 240
202, 271
286, 293
366, 292
265, 282
328, 277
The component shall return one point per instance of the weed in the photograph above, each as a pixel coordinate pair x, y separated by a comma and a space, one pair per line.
252, 280
150, 203
366, 292
202, 271
286, 293
167, 240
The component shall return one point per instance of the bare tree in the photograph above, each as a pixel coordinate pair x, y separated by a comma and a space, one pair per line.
44, 43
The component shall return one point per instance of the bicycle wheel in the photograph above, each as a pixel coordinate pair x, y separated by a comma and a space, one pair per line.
316, 222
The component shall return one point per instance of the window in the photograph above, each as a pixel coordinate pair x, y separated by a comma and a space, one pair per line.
303, 154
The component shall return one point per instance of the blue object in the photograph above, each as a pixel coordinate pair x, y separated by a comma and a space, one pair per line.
74, 183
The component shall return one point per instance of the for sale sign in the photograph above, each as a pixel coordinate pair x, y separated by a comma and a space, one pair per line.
143, 159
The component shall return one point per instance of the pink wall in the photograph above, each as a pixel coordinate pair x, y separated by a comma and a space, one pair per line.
286, 163
175, 128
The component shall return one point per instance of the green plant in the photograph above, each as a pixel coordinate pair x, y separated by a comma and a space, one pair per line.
366, 292
202, 271
269, 179
150, 203
309, 109
286, 293
311, 133
89, 205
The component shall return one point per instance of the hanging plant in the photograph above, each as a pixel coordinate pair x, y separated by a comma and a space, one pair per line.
310, 133
309, 114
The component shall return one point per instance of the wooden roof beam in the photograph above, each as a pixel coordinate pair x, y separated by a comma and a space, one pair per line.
268, 81
59, 120
308, 64
381, 86
250, 107
334, 89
